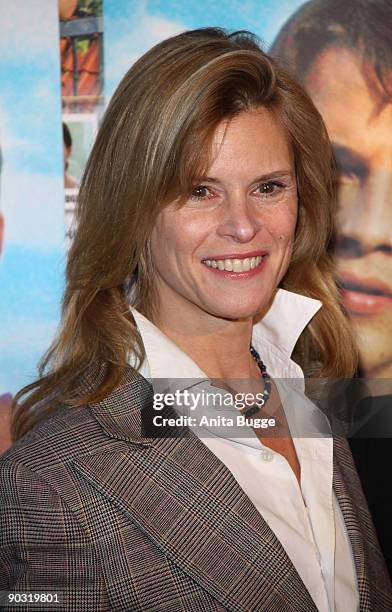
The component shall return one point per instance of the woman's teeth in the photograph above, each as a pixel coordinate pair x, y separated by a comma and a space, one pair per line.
234, 265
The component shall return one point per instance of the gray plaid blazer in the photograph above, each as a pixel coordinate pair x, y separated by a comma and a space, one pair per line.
112, 520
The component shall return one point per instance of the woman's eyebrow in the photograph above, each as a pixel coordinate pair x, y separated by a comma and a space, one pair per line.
283, 173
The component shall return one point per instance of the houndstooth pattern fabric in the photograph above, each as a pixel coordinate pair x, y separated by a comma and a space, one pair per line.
114, 521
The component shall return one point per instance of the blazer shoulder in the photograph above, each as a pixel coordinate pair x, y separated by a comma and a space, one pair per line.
58, 440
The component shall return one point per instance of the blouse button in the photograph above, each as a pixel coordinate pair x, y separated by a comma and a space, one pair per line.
267, 455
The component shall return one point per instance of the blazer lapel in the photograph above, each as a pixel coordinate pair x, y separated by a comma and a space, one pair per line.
189, 504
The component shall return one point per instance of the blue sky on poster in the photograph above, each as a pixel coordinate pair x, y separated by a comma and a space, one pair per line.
30, 128
31, 196
133, 26
30, 78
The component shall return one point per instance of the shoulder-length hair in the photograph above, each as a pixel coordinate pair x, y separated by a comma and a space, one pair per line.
154, 140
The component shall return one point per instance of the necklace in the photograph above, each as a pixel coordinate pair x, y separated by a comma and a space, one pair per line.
267, 384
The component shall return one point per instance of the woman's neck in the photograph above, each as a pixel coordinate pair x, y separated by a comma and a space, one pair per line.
220, 347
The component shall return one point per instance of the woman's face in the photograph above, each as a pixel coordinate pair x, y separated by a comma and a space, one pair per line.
223, 252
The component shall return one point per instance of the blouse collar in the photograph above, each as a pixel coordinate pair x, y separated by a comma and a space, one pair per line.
281, 327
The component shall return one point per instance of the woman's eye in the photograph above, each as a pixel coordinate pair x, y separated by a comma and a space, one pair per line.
201, 192
269, 189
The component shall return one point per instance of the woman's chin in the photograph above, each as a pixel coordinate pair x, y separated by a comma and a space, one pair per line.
237, 311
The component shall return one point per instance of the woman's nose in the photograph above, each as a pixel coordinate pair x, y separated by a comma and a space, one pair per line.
240, 221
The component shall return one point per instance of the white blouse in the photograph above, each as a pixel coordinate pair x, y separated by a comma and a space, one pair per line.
307, 520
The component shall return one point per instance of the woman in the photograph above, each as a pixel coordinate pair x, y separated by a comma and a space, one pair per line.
204, 213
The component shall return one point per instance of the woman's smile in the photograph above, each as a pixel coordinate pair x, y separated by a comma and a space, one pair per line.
237, 266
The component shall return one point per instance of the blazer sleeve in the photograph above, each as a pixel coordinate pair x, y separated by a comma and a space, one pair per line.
43, 548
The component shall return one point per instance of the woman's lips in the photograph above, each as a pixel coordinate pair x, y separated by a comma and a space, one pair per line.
364, 297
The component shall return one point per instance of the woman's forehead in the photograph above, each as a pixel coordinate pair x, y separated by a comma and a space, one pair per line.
251, 137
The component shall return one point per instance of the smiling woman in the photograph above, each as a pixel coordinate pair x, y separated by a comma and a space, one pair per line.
204, 213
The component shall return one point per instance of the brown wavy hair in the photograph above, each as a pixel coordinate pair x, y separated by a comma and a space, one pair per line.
154, 140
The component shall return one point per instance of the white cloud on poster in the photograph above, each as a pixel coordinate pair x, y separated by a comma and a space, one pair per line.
32, 206
12, 142
44, 95
22, 344
136, 32
28, 140
31, 40
25, 333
